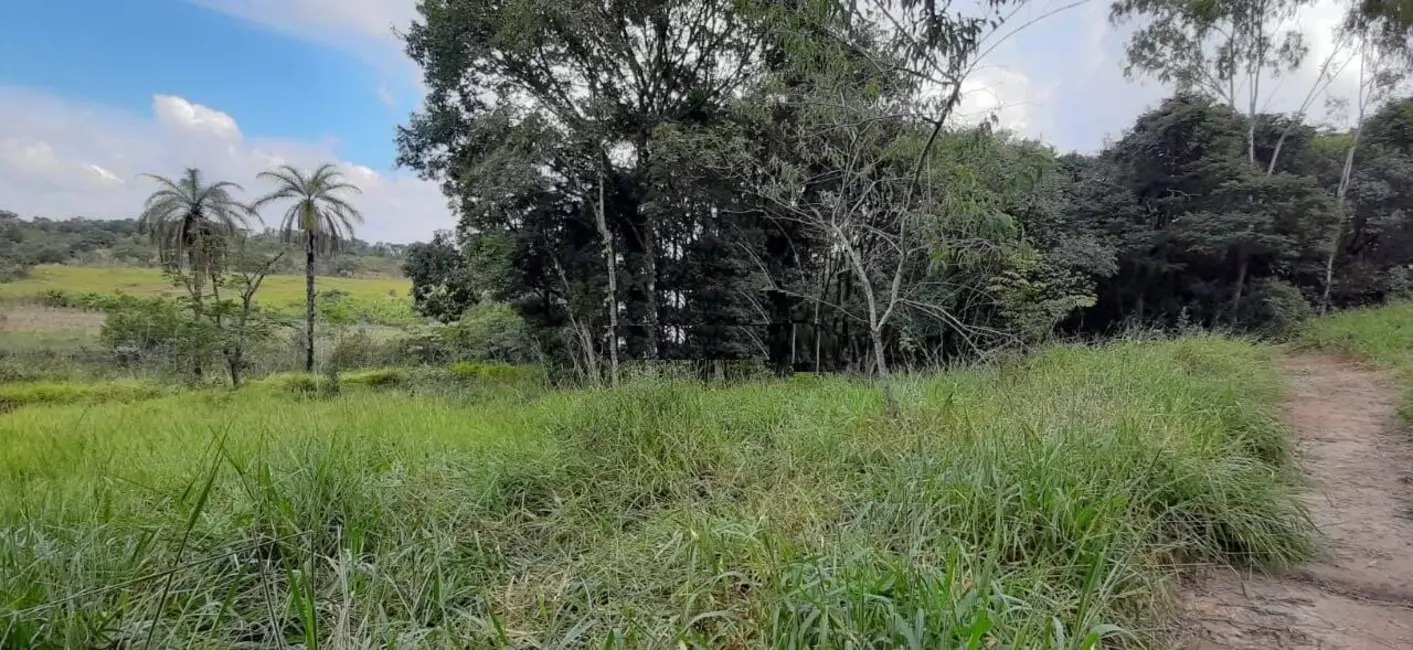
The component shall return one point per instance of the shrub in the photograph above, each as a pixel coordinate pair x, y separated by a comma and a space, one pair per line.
359, 349
491, 331
497, 373
1276, 307
379, 378
13, 396
12, 271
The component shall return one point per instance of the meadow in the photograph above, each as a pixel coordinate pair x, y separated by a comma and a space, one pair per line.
380, 301
1044, 502
277, 289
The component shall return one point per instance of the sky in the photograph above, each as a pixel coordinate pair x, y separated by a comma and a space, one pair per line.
95, 93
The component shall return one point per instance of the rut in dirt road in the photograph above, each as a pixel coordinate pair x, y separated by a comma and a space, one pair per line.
1360, 468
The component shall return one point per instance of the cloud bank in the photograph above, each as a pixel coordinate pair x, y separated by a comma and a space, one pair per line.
61, 158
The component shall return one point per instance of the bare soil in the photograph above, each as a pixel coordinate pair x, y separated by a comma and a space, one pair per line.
1360, 467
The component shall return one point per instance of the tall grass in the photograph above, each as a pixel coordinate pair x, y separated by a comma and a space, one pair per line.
1382, 335
1041, 504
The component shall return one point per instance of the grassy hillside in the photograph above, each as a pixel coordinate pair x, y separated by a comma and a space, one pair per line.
1042, 504
383, 301
278, 289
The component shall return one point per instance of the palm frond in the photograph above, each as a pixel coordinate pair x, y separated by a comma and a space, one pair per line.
190, 220
317, 215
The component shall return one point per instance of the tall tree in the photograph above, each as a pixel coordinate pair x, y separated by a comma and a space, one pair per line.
1224, 49
319, 219
1383, 65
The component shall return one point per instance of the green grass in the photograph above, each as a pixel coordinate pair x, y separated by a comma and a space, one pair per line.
375, 300
1382, 335
277, 289
1040, 504
21, 394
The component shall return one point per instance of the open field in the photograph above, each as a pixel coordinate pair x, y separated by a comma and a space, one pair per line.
371, 300
278, 289
1040, 504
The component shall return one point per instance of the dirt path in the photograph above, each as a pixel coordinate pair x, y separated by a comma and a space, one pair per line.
1361, 473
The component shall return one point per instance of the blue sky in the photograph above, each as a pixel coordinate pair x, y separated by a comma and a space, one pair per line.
95, 93
121, 53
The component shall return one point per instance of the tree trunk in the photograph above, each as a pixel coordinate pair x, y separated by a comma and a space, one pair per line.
611, 265
234, 361
308, 303
1241, 267
1338, 236
877, 335
650, 254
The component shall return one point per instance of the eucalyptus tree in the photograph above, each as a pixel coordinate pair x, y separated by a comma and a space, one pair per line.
1223, 49
319, 219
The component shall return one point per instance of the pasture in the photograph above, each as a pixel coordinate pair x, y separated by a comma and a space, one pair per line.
1044, 502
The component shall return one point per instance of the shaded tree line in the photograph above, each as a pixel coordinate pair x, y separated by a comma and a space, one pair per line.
703, 179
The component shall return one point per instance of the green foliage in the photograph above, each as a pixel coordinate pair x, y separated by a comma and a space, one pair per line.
157, 330
1054, 512
491, 331
442, 287
497, 373
378, 378
16, 395
1277, 308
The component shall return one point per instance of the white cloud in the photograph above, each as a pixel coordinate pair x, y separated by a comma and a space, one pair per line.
60, 158
1000, 92
181, 114
1062, 76
363, 28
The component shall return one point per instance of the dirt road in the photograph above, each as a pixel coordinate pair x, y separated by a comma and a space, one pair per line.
1360, 467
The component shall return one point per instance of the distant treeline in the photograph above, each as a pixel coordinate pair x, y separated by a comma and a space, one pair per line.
25, 243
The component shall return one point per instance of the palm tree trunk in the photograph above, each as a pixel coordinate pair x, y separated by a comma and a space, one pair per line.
309, 303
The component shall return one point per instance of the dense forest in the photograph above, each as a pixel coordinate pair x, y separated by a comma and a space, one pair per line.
25, 243
712, 179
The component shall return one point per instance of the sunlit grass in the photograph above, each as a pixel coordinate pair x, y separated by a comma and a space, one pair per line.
1040, 504
277, 289
376, 300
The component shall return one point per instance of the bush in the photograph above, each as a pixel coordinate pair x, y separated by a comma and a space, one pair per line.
13, 396
359, 349
1276, 307
497, 373
378, 378
157, 330
303, 384
12, 271
490, 331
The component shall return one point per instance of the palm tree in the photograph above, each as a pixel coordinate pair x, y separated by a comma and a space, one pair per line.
191, 222
319, 219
